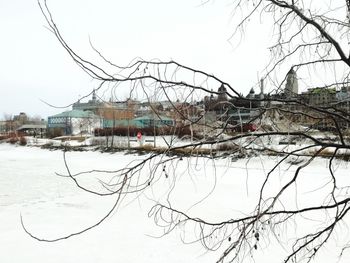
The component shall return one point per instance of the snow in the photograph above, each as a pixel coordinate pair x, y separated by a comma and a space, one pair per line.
52, 206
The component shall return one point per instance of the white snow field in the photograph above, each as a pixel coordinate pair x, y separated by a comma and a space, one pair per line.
52, 206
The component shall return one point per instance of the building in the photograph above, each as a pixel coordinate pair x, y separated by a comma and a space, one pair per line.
73, 122
217, 103
343, 99
23, 124
36, 129
222, 93
148, 121
153, 121
3, 127
320, 96
108, 110
21, 118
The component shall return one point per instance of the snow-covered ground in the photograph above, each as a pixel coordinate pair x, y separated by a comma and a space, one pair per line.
52, 206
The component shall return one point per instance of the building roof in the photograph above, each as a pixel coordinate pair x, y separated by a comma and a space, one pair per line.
139, 122
291, 71
31, 126
222, 88
151, 117
75, 114
322, 90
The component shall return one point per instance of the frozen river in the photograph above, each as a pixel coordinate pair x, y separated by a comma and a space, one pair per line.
52, 206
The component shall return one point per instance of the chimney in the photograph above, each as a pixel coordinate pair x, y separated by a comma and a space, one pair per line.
261, 86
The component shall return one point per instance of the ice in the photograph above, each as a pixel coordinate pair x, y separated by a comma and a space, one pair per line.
53, 206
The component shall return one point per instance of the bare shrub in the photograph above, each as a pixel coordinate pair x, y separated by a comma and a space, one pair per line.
3, 137
148, 147
224, 147
13, 139
54, 132
97, 141
22, 141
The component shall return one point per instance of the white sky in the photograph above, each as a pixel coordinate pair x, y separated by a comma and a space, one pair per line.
34, 66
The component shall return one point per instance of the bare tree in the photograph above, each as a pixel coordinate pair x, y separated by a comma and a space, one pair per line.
311, 39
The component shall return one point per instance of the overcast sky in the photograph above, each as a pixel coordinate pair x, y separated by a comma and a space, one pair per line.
35, 67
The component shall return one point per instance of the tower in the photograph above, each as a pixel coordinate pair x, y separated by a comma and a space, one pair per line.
291, 88
262, 88
251, 94
261, 95
222, 93
94, 96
